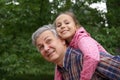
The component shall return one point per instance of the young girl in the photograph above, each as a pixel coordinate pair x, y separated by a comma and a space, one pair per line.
68, 28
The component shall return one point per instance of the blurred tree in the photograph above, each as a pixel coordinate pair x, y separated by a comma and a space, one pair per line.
18, 19
85, 14
113, 14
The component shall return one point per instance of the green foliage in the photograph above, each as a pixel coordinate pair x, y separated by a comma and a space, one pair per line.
83, 12
17, 18
19, 57
113, 13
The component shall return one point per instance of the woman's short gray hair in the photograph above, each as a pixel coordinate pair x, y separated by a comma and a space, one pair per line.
40, 30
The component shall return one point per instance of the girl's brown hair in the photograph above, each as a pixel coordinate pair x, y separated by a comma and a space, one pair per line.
73, 17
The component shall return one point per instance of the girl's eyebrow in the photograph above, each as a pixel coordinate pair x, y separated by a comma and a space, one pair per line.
58, 22
66, 20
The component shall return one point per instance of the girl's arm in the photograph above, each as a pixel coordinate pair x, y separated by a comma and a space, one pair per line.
91, 57
57, 75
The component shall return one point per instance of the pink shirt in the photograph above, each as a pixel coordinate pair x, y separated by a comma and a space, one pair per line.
90, 49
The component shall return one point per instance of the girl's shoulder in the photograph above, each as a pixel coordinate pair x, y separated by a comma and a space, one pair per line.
81, 32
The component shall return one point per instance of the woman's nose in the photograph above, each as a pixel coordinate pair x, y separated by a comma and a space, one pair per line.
46, 47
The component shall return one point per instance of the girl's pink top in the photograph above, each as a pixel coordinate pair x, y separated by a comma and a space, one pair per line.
90, 49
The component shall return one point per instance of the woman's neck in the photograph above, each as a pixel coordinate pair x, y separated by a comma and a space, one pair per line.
60, 61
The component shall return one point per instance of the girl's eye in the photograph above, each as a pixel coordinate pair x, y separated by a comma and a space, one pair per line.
58, 25
66, 22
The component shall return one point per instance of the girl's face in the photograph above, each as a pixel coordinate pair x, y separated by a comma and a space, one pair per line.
65, 27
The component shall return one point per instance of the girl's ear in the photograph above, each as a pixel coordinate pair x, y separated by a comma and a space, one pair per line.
77, 26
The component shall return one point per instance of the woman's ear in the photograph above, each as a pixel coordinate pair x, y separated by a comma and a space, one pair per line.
63, 41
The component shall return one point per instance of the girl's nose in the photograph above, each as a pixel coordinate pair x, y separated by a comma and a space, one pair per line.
63, 26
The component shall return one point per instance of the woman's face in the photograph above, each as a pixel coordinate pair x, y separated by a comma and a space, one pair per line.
65, 27
51, 47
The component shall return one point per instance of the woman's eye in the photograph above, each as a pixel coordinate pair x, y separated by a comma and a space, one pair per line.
40, 47
48, 41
